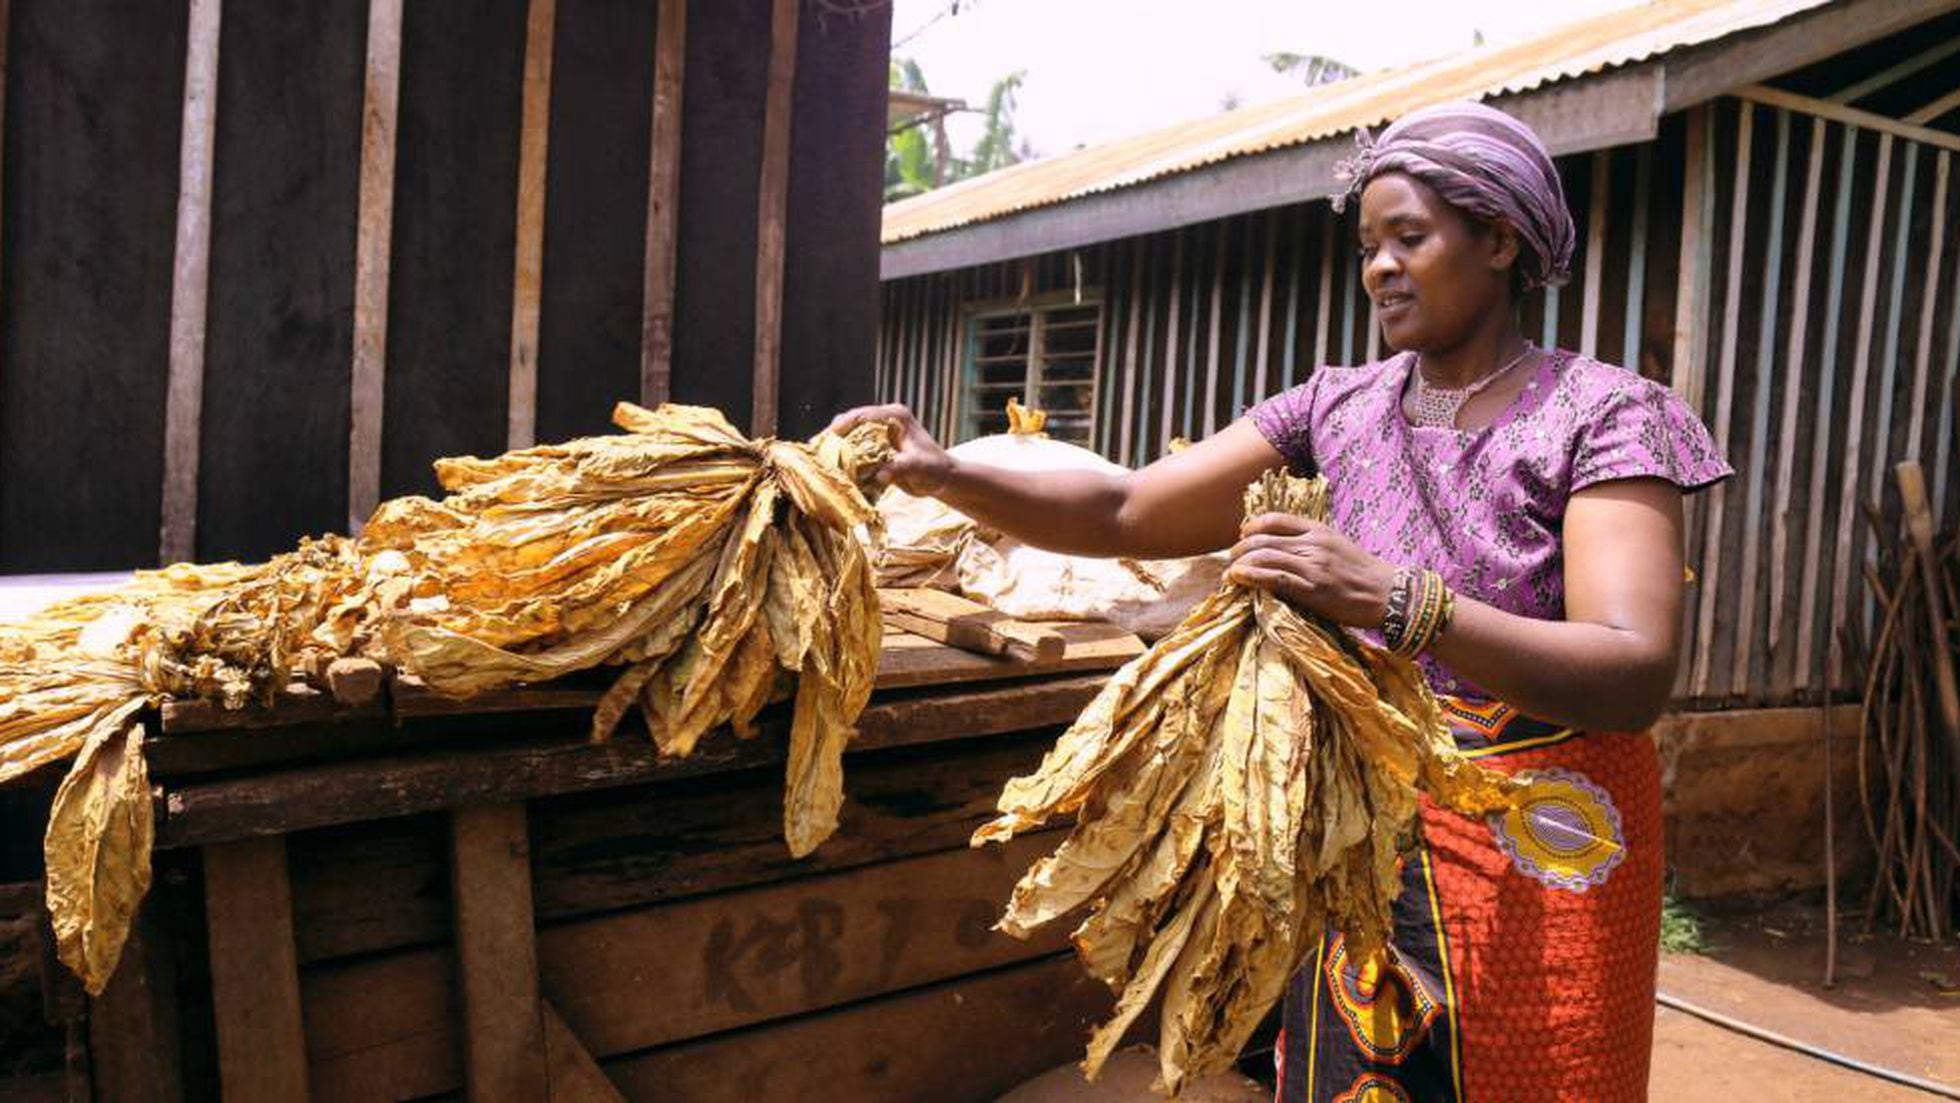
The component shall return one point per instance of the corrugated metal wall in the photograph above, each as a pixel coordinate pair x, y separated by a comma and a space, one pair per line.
1818, 341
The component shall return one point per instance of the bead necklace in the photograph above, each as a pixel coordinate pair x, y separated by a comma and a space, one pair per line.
1436, 407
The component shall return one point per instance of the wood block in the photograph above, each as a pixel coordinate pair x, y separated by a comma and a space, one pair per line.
133, 1040
496, 953
355, 682
385, 1026
967, 1039
969, 625
254, 977
575, 1077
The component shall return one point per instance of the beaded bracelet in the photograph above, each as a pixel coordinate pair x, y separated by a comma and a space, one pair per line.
1420, 607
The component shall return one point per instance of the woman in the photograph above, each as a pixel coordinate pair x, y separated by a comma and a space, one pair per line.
1542, 492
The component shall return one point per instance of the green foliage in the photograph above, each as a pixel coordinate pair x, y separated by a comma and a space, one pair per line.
910, 157
1680, 929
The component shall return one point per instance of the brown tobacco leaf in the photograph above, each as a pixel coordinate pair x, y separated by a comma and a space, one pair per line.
1237, 789
718, 573
100, 831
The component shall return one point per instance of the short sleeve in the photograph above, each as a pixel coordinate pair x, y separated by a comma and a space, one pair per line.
1286, 421
1644, 430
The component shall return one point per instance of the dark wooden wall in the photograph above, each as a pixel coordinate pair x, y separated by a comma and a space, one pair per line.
91, 263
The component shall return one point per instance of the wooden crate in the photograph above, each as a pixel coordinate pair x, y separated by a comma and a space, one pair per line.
424, 898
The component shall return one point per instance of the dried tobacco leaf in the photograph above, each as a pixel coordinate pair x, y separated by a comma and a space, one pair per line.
1240, 787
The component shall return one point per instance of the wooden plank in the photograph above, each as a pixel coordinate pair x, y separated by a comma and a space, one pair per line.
254, 978
1242, 338
1885, 400
190, 284
1548, 335
527, 279
1126, 439
1918, 516
1174, 291
910, 660
1785, 676
1943, 442
6, 23
134, 1048
1929, 310
1933, 110
1790, 101
1849, 515
1769, 321
378, 886
573, 1075
969, 625
1712, 533
496, 953
1350, 283
371, 256
1697, 209
1702, 73
1323, 314
1216, 335
1643, 182
1598, 206
1893, 74
985, 1033
771, 200
1262, 356
1290, 345
724, 962
349, 792
297, 704
663, 204
1821, 472
95, 106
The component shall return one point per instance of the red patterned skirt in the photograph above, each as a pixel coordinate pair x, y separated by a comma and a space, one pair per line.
1525, 945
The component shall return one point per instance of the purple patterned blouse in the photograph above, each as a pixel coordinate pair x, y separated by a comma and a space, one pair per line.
1484, 507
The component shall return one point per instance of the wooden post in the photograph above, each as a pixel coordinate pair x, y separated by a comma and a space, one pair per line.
1174, 285
1711, 555
1217, 334
133, 1042
1928, 306
190, 283
1826, 419
772, 198
1598, 206
1323, 312
1643, 188
248, 905
575, 1077
1768, 322
533, 146
1691, 289
497, 953
1793, 375
663, 204
1138, 260
373, 234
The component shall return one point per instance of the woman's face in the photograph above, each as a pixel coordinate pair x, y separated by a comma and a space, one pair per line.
1434, 275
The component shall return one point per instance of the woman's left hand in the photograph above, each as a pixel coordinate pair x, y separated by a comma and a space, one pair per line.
1312, 568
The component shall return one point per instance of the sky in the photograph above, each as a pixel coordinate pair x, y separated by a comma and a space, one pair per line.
1103, 69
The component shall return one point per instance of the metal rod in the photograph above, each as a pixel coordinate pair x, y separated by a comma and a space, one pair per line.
1762, 1035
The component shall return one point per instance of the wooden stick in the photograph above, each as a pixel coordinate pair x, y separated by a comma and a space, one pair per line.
1323, 312
1126, 438
1264, 346
1697, 213
1938, 107
1919, 529
254, 972
1766, 363
497, 953
1217, 334
1928, 307
1830, 833
528, 262
1598, 205
1855, 398
1776, 97
575, 1077
1786, 454
772, 198
190, 283
373, 236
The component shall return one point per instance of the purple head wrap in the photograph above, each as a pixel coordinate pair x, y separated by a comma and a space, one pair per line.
1485, 163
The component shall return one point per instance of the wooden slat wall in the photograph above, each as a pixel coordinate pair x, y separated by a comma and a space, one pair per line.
1819, 348
262, 267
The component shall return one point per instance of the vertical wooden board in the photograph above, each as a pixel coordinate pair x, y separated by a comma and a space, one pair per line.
574, 1076
721, 133
595, 220
455, 229
771, 230
663, 203
374, 241
133, 1044
190, 280
95, 100
830, 261
527, 260
984, 1034
497, 953
254, 978
275, 429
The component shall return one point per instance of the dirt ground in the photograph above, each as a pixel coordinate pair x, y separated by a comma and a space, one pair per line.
1896, 1004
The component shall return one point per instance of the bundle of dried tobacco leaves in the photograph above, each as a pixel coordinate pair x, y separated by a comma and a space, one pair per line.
1239, 788
722, 572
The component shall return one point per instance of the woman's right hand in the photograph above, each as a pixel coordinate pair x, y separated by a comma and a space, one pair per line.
918, 465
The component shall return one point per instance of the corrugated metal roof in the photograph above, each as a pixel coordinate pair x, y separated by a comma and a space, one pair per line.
1619, 37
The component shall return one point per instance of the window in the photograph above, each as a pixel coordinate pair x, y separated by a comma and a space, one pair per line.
1044, 355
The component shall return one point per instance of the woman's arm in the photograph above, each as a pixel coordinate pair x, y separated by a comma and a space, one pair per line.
1187, 503
1608, 666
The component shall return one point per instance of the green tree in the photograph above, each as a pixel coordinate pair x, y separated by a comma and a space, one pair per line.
917, 161
999, 145
909, 162
1311, 69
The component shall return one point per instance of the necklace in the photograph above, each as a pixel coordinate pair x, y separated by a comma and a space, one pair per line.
1436, 407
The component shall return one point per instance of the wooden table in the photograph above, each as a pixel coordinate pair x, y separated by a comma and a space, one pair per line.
424, 897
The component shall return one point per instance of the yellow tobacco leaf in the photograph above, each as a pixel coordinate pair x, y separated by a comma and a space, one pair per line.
100, 830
